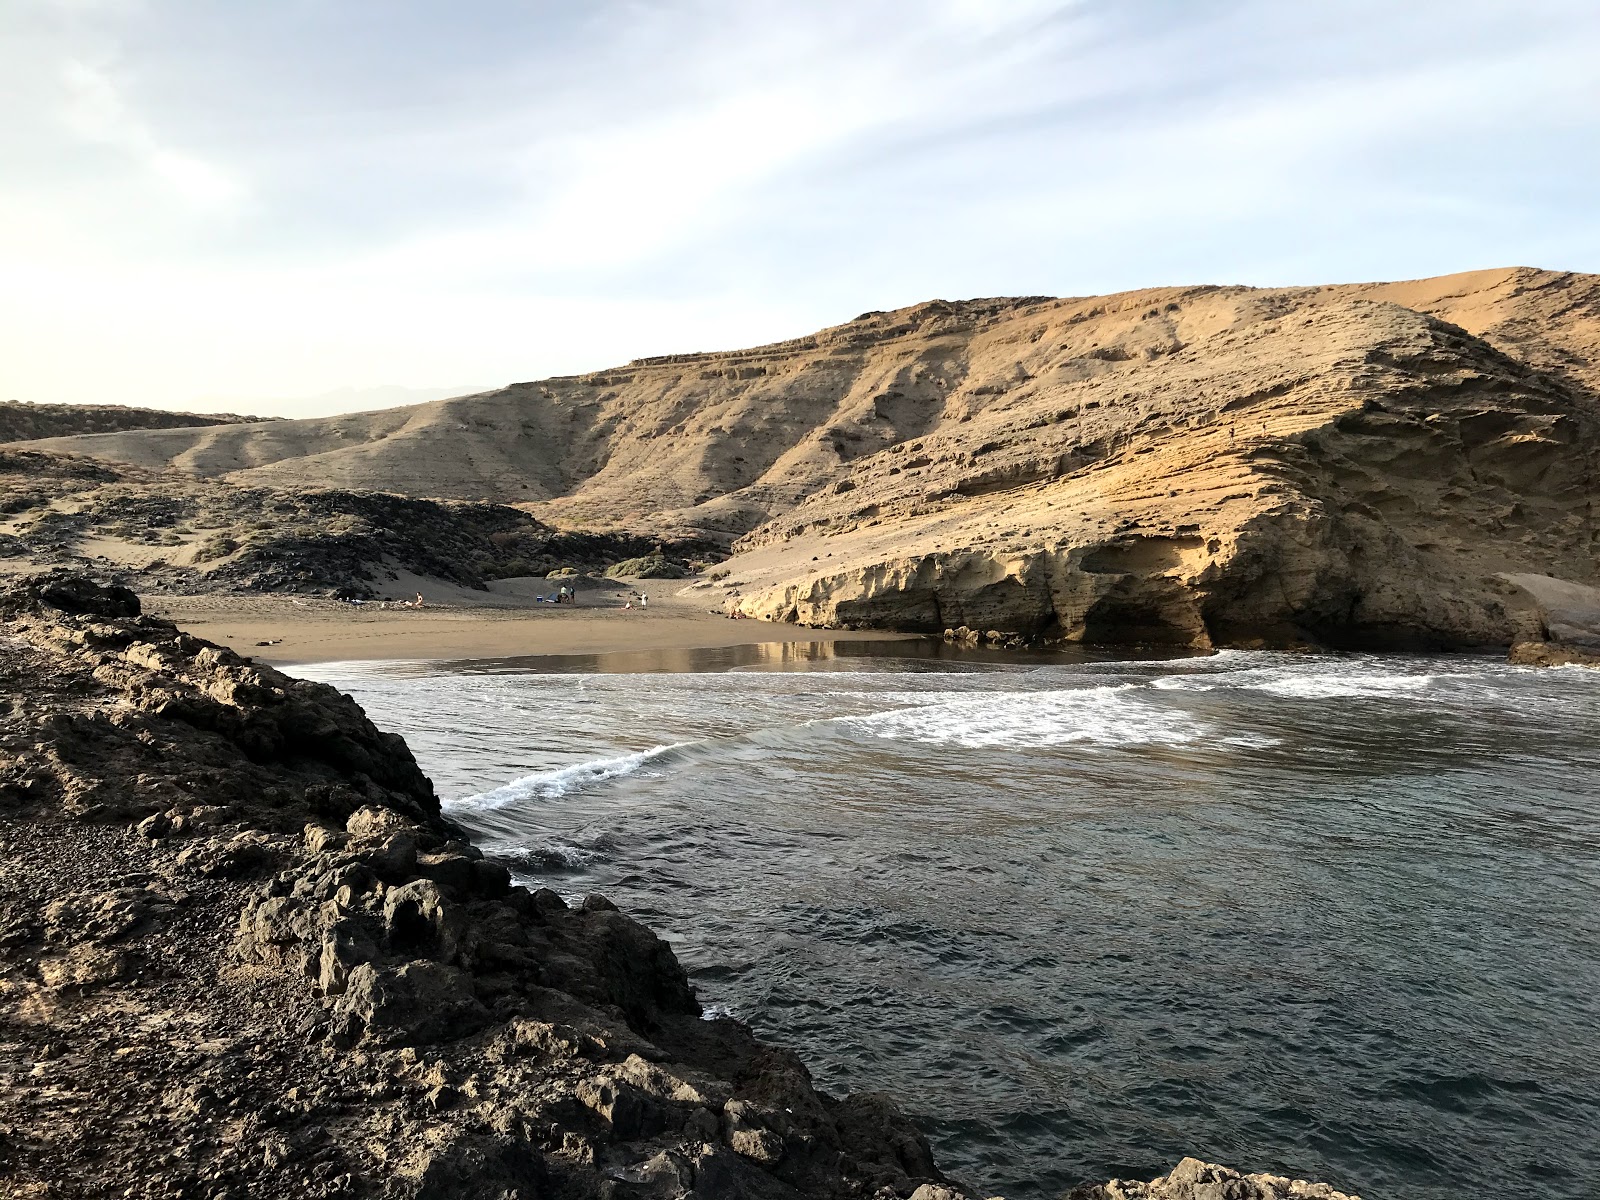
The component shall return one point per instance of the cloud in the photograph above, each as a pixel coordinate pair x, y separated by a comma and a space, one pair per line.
206, 199
96, 112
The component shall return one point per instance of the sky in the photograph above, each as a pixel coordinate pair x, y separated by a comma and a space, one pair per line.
300, 206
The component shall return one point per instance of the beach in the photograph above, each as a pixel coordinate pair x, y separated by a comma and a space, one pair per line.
459, 623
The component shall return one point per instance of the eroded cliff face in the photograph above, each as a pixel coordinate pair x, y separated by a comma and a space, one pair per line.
1347, 473
242, 955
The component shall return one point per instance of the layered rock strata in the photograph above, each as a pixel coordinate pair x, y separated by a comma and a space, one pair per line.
1368, 484
242, 955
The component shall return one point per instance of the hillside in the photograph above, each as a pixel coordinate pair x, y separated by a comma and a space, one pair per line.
176, 533
21, 422
1208, 465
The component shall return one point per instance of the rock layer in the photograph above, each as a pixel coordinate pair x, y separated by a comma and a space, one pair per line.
1374, 493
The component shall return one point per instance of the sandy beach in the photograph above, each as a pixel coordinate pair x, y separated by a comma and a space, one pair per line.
457, 623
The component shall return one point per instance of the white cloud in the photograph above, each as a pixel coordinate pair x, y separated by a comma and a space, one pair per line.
508, 190
97, 112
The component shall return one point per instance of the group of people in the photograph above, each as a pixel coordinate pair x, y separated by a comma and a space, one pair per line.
562, 595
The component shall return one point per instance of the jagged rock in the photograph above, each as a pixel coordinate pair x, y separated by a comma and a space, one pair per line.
318, 961
417, 1002
1192, 1179
1552, 654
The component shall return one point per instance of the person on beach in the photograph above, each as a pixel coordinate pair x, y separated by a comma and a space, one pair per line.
418, 604
644, 601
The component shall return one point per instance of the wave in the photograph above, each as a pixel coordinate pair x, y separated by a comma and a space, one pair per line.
1357, 685
558, 856
550, 785
1098, 716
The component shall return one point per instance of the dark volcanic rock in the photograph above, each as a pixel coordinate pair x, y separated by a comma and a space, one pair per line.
242, 955
214, 536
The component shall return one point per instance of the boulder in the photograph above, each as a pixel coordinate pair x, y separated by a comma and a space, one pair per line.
1193, 1179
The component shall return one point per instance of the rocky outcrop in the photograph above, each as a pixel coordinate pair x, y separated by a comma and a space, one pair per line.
183, 534
241, 954
1562, 626
1375, 483
1192, 1179
28, 422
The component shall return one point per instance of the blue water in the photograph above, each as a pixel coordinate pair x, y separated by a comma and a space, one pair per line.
1333, 917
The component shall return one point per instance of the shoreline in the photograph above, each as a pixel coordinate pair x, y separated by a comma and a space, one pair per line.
293, 631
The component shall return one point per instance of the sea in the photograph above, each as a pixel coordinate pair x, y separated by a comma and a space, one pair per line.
1329, 916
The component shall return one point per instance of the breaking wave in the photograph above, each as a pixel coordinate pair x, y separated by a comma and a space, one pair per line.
551, 785
1100, 716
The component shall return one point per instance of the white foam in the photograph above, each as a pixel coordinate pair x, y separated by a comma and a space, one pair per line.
550, 785
554, 856
1347, 687
1305, 684
1099, 716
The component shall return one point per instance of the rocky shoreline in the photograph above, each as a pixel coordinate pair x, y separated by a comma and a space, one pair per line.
243, 955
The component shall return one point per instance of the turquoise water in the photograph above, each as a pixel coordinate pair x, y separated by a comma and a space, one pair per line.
1335, 917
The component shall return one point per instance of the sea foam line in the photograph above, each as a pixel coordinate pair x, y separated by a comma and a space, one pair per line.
1303, 685
1098, 716
550, 785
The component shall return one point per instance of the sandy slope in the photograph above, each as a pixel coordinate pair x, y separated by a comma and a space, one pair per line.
459, 623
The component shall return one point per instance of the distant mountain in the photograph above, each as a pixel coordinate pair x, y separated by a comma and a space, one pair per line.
26, 422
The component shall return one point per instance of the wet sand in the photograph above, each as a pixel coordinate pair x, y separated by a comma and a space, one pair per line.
451, 625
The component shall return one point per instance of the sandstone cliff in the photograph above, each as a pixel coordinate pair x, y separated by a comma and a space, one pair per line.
1351, 465
1345, 473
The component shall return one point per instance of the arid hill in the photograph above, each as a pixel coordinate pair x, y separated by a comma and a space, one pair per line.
174, 533
1359, 464
26, 422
